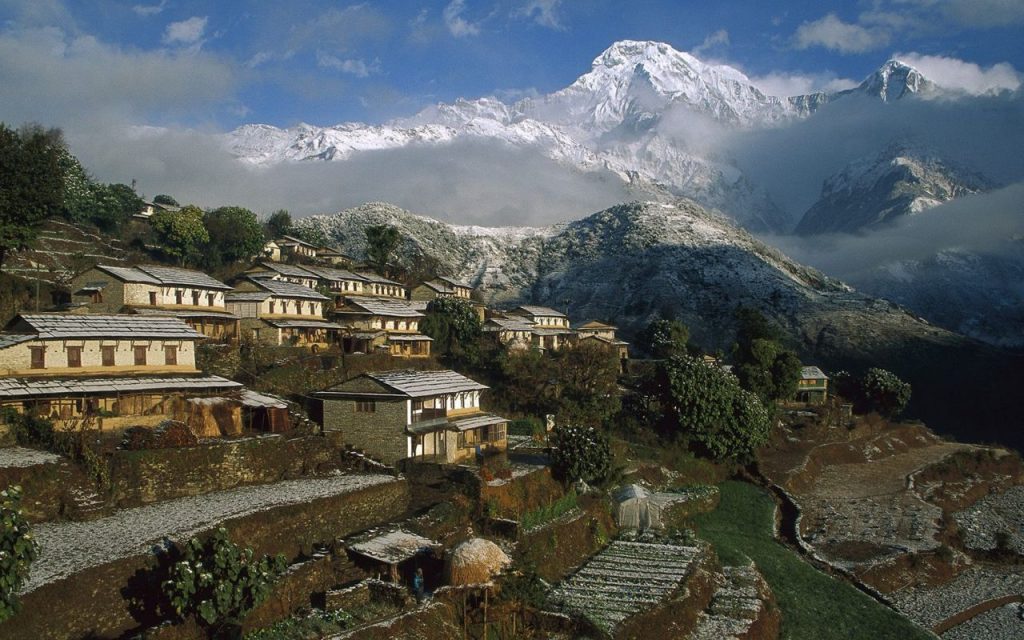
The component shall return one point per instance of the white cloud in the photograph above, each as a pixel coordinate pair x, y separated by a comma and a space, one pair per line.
784, 84
146, 10
966, 76
186, 32
832, 33
457, 25
543, 12
351, 66
720, 37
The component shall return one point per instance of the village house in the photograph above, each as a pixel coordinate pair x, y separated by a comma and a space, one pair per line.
431, 415
514, 332
376, 323
550, 327
286, 272
193, 296
333, 256
278, 312
112, 371
149, 208
292, 246
812, 387
441, 287
381, 287
341, 282
595, 332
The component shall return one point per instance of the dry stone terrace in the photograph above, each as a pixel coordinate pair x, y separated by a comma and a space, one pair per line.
70, 547
625, 579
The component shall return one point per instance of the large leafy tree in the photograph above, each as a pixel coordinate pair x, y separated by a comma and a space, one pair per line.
884, 392
181, 234
381, 242
235, 234
587, 383
31, 184
165, 199
278, 224
664, 338
708, 406
580, 453
17, 550
761, 362
112, 205
453, 324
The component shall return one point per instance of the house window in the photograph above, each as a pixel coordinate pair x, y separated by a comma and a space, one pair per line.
179, 296
97, 296
140, 356
367, 406
211, 300
74, 357
272, 305
195, 298
152, 298
108, 356
171, 355
38, 357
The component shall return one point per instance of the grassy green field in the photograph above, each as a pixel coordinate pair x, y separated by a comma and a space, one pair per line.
814, 605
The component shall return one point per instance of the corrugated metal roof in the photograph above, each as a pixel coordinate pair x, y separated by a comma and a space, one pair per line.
812, 373
418, 384
539, 311
384, 307
128, 274
182, 277
50, 387
476, 421
283, 289
56, 326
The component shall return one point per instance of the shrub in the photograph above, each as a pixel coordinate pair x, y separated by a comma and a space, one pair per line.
17, 550
884, 392
218, 582
580, 453
30, 430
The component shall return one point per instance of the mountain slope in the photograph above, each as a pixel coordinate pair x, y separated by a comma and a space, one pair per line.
898, 182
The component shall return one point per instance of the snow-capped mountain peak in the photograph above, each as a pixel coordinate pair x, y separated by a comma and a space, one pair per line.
894, 80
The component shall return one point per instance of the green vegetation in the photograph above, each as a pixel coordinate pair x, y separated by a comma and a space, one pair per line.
708, 406
580, 453
218, 582
381, 242
813, 604
543, 515
17, 550
884, 392
455, 327
664, 338
278, 224
318, 624
164, 199
32, 184
760, 361
235, 234
181, 234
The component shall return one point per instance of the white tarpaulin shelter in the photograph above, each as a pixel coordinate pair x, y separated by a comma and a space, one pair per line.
638, 509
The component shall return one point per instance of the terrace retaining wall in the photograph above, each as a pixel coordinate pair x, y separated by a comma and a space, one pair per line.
116, 598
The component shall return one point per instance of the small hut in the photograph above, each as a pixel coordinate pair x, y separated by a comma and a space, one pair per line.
638, 509
394, 554
475, 561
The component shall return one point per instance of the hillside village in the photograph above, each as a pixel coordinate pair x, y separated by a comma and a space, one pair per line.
411, 462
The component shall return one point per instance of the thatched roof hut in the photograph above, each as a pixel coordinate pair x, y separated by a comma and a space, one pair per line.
474, 561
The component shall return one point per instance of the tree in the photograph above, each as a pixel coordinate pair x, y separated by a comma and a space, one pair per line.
580, 453
884, 392
278, 224
587, 377
181, 234
17, 550
31, 184
381, 242
665, 338
112, 205
453, 324
708, 405
218, 582
166, 200
235, 235
760, 361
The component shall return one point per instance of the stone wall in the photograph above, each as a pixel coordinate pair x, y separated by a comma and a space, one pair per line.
561, 546
380, 433
522, 494
107, 601
154, 475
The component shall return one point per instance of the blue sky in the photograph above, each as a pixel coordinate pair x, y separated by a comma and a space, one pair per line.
219, 64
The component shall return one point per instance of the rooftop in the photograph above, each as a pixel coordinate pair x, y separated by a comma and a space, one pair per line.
287, 269
393, 547
453, 282
373, 277
596, 325
182, 277
812, 373
50, 387
283, 289
408, 383
539, 311
384, 307
58, 326
329, 273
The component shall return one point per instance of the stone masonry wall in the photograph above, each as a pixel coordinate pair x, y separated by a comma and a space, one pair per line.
380, 433
107, 601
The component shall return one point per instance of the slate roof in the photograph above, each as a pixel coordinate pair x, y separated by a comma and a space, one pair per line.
394, 547
283, 289
454, 283
252, 399
128, 274
328, 273
246, 296
595, 325
182, 277
49, 387
373, 277
304, 324
287, 270
509, 324
540, 311
383, 307
412, 337
419, 384
9, 340
295, 240
476, 421
174, 313
439, 287
57, 326
812, 373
